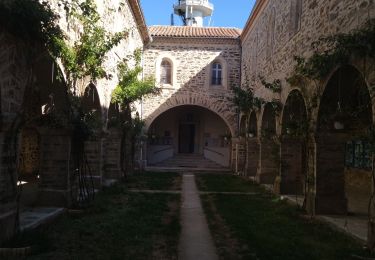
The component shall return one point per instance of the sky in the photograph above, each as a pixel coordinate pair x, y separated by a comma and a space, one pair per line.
227, 13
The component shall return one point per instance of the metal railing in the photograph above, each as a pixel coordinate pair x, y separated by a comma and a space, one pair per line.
195, 2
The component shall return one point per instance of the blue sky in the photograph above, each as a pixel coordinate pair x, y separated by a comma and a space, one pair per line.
227, 13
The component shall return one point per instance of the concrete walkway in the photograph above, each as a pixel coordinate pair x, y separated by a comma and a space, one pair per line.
195, 241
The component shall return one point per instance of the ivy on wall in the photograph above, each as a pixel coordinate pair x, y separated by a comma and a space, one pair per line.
335, 50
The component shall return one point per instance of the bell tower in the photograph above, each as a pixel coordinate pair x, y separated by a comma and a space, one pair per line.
192, 12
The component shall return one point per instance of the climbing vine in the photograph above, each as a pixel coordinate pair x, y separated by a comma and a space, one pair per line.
275, 86
335, 50
130, 89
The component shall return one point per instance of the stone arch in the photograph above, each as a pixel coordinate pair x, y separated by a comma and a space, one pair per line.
91, 100
293, 144
345, 113
268, 126
253, 125
216, 106
252, 155
243, 126
269, 147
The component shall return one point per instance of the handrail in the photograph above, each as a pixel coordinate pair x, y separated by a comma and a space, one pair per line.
163, 150
214, 151
195, 2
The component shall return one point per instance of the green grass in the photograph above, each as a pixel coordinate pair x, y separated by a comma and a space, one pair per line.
263, 227
155, 181
118, 225
225, 183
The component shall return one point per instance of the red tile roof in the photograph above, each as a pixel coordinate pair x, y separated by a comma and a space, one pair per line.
194, 32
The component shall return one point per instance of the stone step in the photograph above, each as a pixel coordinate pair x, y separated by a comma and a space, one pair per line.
191, 161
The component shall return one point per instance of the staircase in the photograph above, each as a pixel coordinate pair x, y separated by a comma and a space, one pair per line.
189, 161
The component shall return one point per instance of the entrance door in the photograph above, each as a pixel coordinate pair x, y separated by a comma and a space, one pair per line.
186, 138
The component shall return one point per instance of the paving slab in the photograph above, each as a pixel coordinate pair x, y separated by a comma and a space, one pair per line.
31, 218
195, 241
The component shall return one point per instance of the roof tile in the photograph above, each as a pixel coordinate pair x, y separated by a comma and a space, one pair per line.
194, 32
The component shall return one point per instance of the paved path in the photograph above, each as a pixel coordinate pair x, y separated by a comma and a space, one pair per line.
195, 241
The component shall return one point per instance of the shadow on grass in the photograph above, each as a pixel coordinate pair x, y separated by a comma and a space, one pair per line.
155, 181
260, 226
117, 226
225, 183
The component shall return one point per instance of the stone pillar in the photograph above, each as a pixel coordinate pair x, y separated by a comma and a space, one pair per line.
8, 177
112, 155
330, 180
269, 161
292, 166
238, 155
93, 151
58, 185
252, 160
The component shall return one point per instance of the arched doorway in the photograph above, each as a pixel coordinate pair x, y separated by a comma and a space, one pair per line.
343, 158
252, 145
269, 148
89, 162
188, 130
44, 146
293, 145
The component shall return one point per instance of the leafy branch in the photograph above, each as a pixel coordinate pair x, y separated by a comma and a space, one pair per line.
275, 86
337, 50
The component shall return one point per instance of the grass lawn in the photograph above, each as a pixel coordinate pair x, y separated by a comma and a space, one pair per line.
263, 227
225, 183
155, 181
119, 225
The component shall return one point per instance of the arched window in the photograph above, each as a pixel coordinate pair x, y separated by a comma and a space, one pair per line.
166, 72
295, 16
271, 33
216, 74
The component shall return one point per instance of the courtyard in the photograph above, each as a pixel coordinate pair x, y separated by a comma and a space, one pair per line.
141, 219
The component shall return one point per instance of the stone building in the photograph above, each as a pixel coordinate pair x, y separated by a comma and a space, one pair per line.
36, 161
196, 68
275, 32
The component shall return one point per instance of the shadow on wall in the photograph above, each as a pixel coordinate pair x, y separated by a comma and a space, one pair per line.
194, 93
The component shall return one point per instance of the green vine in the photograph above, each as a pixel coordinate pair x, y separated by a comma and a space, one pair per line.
337, 50
275, 86
130, 88
245, 100
87, 55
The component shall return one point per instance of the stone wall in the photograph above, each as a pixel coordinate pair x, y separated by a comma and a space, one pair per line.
191, 62
274, 34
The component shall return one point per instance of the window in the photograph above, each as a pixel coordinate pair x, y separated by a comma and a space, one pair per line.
358, 154
271, 33
217, 72
295, 17
166, 72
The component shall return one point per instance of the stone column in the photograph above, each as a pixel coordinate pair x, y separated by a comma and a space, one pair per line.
269, 161
8, 178
238, 155
58, 185
112, 155
93, 151
292, 166
252, 160
330, 180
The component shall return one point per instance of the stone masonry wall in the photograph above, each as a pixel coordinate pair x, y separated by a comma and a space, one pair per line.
191, 60
273, 37
116, 16
272, 56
